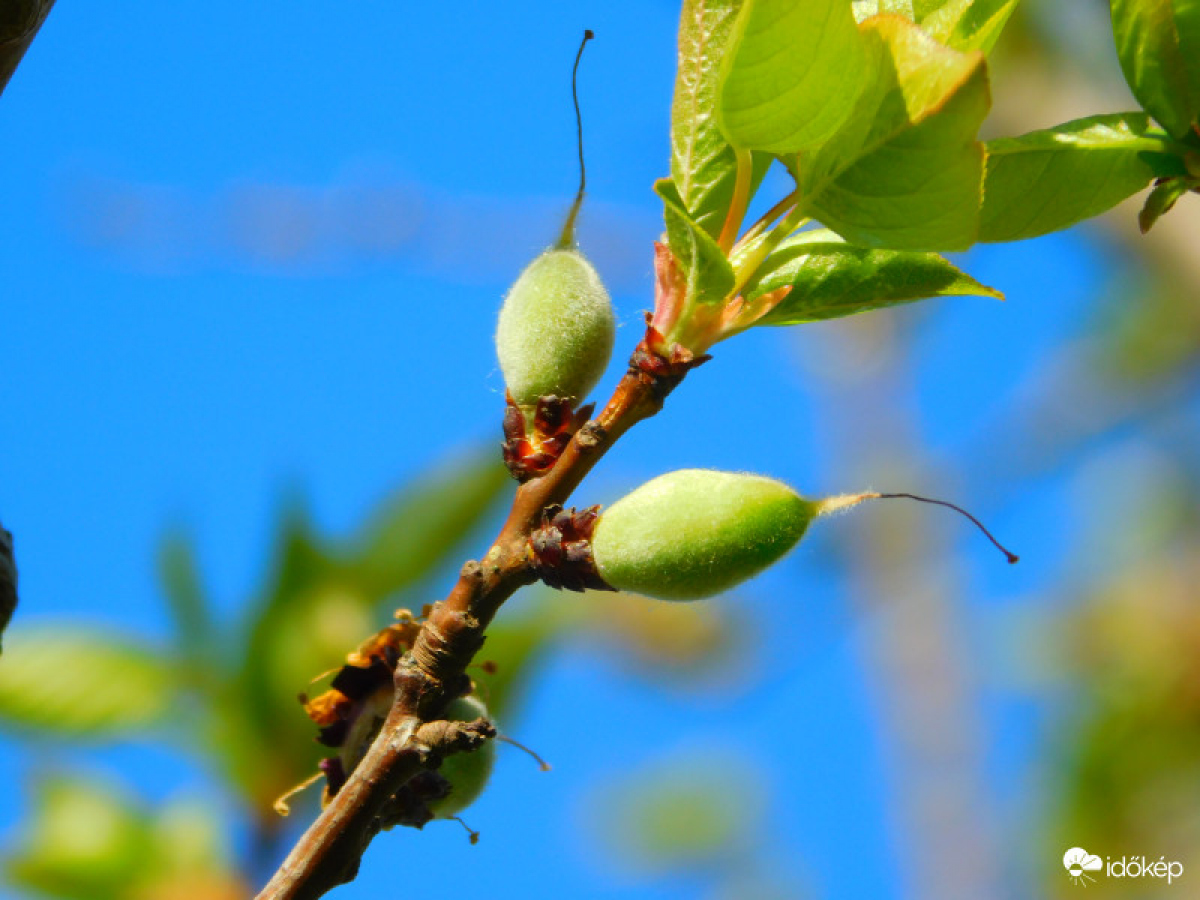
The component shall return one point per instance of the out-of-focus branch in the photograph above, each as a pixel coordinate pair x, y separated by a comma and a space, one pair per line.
19, 23
8, 579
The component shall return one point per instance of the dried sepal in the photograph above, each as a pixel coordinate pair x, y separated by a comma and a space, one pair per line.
560, 550
532, 449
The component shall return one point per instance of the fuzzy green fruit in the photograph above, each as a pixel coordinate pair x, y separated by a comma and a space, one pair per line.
697, 532
468, 773
556, 329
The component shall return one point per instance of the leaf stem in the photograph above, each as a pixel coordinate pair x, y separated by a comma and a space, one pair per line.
739, 203
746, 266
767, 218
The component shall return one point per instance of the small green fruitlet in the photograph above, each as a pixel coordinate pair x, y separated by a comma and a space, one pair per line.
557, 326
696, 532
468, 773
556, 329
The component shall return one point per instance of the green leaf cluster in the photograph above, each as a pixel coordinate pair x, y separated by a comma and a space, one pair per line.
873, 107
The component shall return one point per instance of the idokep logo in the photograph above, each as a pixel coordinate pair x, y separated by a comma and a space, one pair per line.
1078, 863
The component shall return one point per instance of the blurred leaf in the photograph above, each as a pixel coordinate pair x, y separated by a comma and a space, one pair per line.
301, 613
8, 579
1158, 42
1130, 749
195, 633
965, 24
320, 603
685, 812
84, 842
791, 74
257, 726
1075, 171
1162, 198
412, 533
1152, 332
677, 644
80, 682
188, 840
830, 279
905, 172
709, 274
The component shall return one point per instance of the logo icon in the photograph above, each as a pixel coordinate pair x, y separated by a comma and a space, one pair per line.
1078, 862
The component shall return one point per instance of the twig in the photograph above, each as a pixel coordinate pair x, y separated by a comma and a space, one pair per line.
19, 24
328, 853
8, 579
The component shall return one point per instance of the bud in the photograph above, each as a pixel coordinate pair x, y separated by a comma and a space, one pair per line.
697, 532
556, 329
468, 773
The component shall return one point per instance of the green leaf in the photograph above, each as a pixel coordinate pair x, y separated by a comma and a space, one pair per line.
702, 162
77, 682
84, 842
1158, 42
709, 274
864, 9
791, 75
830, 279
1048, 180
1160, 200
905, 172
960, 24
8, 579
965, 24
415, 530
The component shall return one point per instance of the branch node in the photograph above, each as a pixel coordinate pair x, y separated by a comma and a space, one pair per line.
590, 436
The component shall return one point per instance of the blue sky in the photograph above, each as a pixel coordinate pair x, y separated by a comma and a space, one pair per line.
168, 359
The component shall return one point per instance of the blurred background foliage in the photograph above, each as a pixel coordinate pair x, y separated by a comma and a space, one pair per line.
1098, 671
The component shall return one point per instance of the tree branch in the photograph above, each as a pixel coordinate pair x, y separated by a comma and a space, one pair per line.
8, 579
328, 853
19, 23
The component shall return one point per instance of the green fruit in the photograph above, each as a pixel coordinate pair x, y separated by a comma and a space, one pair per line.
697, 532
556, 329
467, 773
